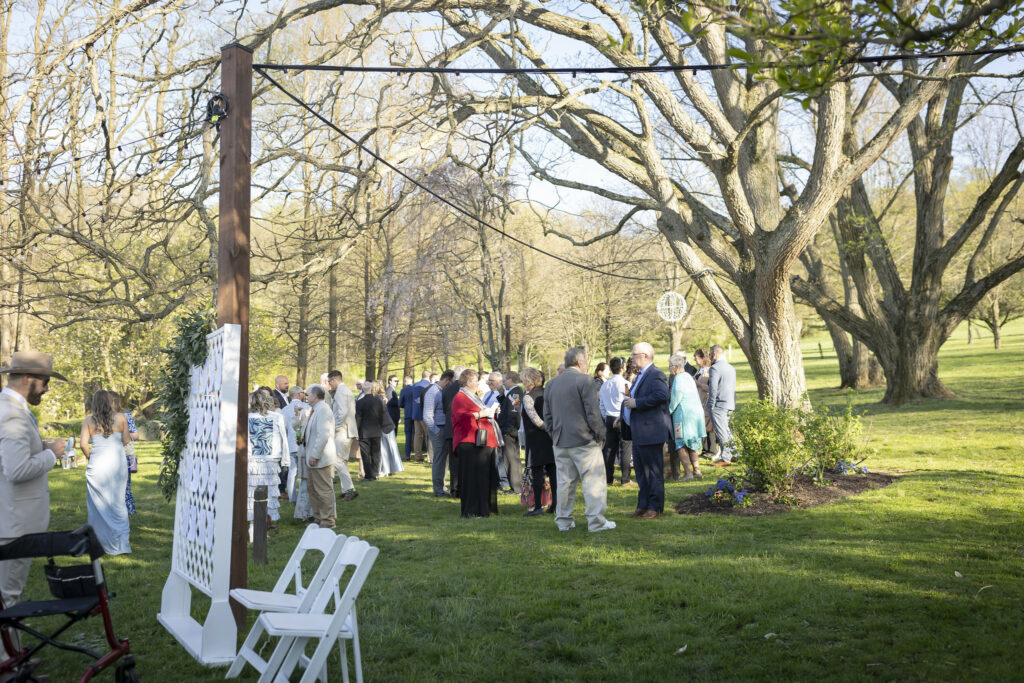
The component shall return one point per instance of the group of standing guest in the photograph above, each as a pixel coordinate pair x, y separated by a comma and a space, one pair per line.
576, 428
299, 439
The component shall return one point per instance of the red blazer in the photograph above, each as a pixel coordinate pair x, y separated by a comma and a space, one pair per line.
464, 424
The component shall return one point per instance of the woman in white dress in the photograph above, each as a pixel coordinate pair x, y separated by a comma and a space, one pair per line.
268, 442
103, 438
390, 460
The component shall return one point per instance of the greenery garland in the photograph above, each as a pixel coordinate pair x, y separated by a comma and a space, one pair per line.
187, 349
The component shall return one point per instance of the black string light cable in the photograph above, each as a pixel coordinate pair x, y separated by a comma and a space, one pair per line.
120, 147
442, 199
133, 177
625, 70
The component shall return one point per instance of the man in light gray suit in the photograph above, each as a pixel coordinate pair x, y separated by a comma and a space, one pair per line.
24, 461
721, 403
346, 434
573, 419
320, 456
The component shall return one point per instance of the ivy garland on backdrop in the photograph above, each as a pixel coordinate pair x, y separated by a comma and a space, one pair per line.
187, 349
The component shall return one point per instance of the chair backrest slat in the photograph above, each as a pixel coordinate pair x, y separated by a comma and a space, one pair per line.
322, 581
357, 554
313, 538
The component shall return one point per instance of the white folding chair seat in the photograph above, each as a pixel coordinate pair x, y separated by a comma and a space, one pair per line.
279, 599
296, 630
288, 602
303, 625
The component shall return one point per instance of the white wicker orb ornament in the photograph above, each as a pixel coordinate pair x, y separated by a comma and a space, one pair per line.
672, 306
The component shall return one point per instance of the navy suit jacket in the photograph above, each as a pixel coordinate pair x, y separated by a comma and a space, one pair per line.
650, 420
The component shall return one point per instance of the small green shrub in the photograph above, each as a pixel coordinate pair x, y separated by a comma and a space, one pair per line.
832, 441
767, 440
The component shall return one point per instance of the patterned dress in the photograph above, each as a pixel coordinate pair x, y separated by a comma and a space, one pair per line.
267, 442
129, 499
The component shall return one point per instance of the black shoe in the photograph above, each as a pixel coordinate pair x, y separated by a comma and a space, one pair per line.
551, 509
534, 512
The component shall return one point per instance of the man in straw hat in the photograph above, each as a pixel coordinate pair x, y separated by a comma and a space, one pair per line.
24, 461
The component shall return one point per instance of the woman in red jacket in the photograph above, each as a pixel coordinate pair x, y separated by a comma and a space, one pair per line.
478, 475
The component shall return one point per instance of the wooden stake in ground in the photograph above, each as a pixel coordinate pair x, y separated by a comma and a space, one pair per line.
233, 275
259, 525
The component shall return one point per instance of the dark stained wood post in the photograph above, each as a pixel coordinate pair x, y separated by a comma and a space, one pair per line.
233, 275
259, 525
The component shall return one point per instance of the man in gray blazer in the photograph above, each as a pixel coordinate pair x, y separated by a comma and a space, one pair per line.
24, 461
320, 456
573, 419
346, 435
721, 403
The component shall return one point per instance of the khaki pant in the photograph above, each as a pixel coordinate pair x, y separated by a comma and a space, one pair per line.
321, 495
421, 442
581, 465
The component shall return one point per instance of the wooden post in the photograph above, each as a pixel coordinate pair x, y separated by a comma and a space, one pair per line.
821, 352
233, 275
259, 525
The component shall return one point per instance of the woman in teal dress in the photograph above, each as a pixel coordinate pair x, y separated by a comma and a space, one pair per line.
687, 419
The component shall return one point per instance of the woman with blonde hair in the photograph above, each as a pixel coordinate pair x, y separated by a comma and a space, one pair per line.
103, 438
687, 419
268, 443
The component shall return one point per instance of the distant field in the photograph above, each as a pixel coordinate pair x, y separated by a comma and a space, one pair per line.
861, 588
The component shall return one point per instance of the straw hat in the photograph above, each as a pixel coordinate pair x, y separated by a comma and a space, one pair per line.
32, 363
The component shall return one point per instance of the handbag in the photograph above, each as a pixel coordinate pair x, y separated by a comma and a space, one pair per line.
133, 464
481, 437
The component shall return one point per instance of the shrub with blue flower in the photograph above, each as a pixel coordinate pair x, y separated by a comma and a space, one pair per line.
724, 493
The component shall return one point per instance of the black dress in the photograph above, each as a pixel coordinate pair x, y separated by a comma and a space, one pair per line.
539, 449
538, 441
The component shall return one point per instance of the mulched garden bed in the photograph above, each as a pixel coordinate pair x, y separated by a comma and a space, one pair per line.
805, 492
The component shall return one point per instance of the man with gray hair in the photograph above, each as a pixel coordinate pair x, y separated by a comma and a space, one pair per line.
573, 419
320, 458
721, 403
645, 410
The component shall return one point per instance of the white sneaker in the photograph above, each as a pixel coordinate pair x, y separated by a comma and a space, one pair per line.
607, 526
572, 525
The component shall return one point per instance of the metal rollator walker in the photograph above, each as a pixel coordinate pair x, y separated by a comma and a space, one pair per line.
80, 591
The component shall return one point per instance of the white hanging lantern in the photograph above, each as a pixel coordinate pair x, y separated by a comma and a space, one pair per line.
672, 306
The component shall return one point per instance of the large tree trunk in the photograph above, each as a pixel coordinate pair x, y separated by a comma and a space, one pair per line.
302, 344
911, 363
774, 349
996, 337
369, 324
332, 321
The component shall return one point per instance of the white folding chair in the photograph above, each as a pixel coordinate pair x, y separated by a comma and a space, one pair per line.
296, 630
279, 599
275, 601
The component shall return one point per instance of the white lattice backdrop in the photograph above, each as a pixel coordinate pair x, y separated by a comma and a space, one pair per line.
201, 556
197, 486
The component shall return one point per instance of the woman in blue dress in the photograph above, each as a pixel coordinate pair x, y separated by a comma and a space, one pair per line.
103, 438
687, 419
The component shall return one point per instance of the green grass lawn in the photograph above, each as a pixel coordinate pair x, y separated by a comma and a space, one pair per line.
861, 588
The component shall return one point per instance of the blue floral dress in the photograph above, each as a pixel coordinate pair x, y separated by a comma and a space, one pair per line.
129, 499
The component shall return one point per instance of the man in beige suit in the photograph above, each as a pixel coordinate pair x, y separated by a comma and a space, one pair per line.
346, 436
320, 457
24, 461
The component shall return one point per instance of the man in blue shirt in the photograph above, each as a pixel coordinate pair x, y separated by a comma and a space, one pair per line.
405, 403
420, 439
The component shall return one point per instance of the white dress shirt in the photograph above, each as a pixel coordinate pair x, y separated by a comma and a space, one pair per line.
610, 396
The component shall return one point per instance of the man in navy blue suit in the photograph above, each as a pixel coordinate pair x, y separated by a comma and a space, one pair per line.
405, 403
645, 410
